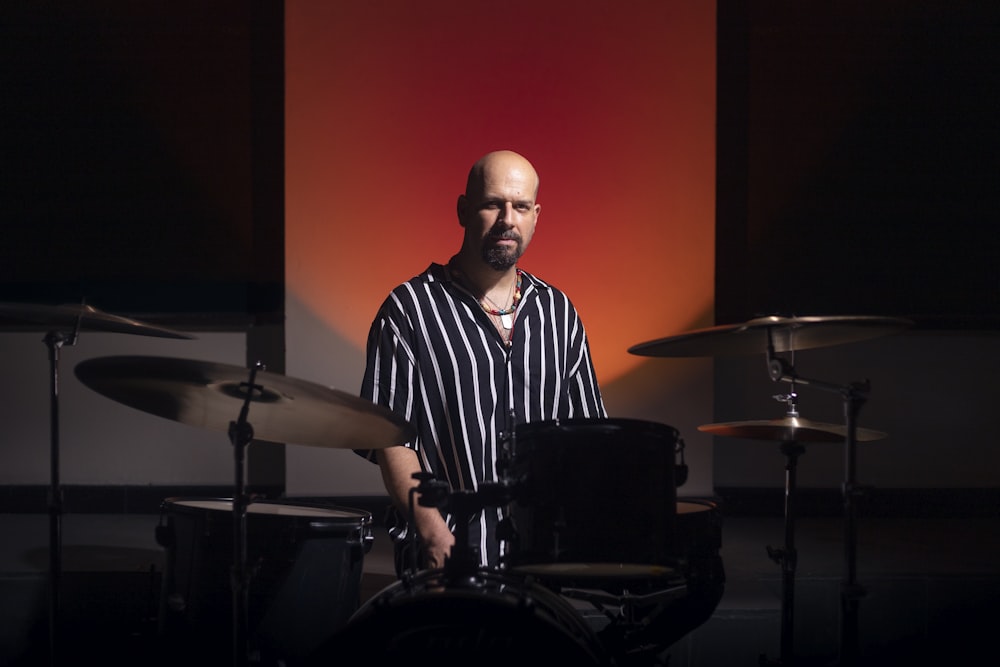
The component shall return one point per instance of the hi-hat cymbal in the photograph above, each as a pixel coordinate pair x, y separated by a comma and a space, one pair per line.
784, 333
71, 317
789, 429
211, 395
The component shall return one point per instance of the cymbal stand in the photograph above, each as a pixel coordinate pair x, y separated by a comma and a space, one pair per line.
787, 556
55, 340
240, 435
851, 591
854, 396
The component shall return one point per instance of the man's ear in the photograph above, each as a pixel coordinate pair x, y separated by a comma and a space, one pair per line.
462, 209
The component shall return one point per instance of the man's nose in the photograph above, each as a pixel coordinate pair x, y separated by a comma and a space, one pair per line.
505, 213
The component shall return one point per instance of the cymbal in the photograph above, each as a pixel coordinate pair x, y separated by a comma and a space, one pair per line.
211, 396
69, 316
785, 333
789, 429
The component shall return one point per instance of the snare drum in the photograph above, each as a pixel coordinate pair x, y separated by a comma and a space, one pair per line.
593, 499
696, 545
304, 566
699, 530
486, 618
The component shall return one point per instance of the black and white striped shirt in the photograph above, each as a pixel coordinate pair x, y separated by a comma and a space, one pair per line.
435, 358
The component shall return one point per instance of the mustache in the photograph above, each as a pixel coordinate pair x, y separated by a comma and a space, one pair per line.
506, 234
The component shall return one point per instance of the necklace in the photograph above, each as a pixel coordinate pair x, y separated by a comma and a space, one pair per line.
505, 314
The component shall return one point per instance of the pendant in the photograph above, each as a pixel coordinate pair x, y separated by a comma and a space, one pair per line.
507, 321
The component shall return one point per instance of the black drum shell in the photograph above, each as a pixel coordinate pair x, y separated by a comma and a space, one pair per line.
304, 567
592, 496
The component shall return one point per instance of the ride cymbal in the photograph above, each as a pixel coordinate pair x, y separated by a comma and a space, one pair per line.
70, 317
211, 395
789, 429
784, 333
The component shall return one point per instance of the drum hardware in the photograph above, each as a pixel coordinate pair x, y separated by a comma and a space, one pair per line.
63, 324
620, 609
680, 467
854, 396
286, 410
463, 562
786, 556
240, 437
776, 334
627, 598
508, 444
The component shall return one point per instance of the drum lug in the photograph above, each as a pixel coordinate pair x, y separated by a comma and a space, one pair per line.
165, 536
362, 538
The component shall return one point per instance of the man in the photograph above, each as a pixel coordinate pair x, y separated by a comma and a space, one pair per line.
464, 352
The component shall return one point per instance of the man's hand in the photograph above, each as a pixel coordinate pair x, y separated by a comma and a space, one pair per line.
398, 465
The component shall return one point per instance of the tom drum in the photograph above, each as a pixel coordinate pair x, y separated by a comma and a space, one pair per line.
593, 499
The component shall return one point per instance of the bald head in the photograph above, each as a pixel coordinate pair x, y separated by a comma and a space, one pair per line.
500, 165
498, 211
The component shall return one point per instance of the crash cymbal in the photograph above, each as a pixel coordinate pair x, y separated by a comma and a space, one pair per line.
70, 317
785, 333
210, 395
789, 429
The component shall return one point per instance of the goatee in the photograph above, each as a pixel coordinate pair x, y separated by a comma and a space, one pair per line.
501, 258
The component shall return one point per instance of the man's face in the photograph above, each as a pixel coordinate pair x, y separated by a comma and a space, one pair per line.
501, 217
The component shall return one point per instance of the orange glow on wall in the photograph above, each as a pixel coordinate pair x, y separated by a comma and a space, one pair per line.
389, 103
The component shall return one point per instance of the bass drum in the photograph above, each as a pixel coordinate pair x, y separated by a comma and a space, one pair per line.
304, 567
487, 619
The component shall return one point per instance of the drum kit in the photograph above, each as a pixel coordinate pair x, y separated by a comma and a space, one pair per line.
656, 575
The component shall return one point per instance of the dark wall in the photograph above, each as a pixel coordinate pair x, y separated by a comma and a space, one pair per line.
142, 157
857, 158
857, 175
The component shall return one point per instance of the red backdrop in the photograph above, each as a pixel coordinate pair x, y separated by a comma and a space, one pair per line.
389, 103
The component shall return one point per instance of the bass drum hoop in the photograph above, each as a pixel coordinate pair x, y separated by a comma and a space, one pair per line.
489, 619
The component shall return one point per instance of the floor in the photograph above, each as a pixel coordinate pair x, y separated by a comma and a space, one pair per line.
929, 592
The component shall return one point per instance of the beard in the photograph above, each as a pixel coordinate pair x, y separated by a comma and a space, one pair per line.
501, 258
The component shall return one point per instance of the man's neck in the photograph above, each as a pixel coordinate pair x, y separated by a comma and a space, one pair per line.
484, 279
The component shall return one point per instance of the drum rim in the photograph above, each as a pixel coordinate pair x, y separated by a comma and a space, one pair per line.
323, 513
498, 589
703, 505
574, 423
595, 570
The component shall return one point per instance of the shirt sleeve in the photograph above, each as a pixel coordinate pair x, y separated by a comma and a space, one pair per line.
389, 366
585, 396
